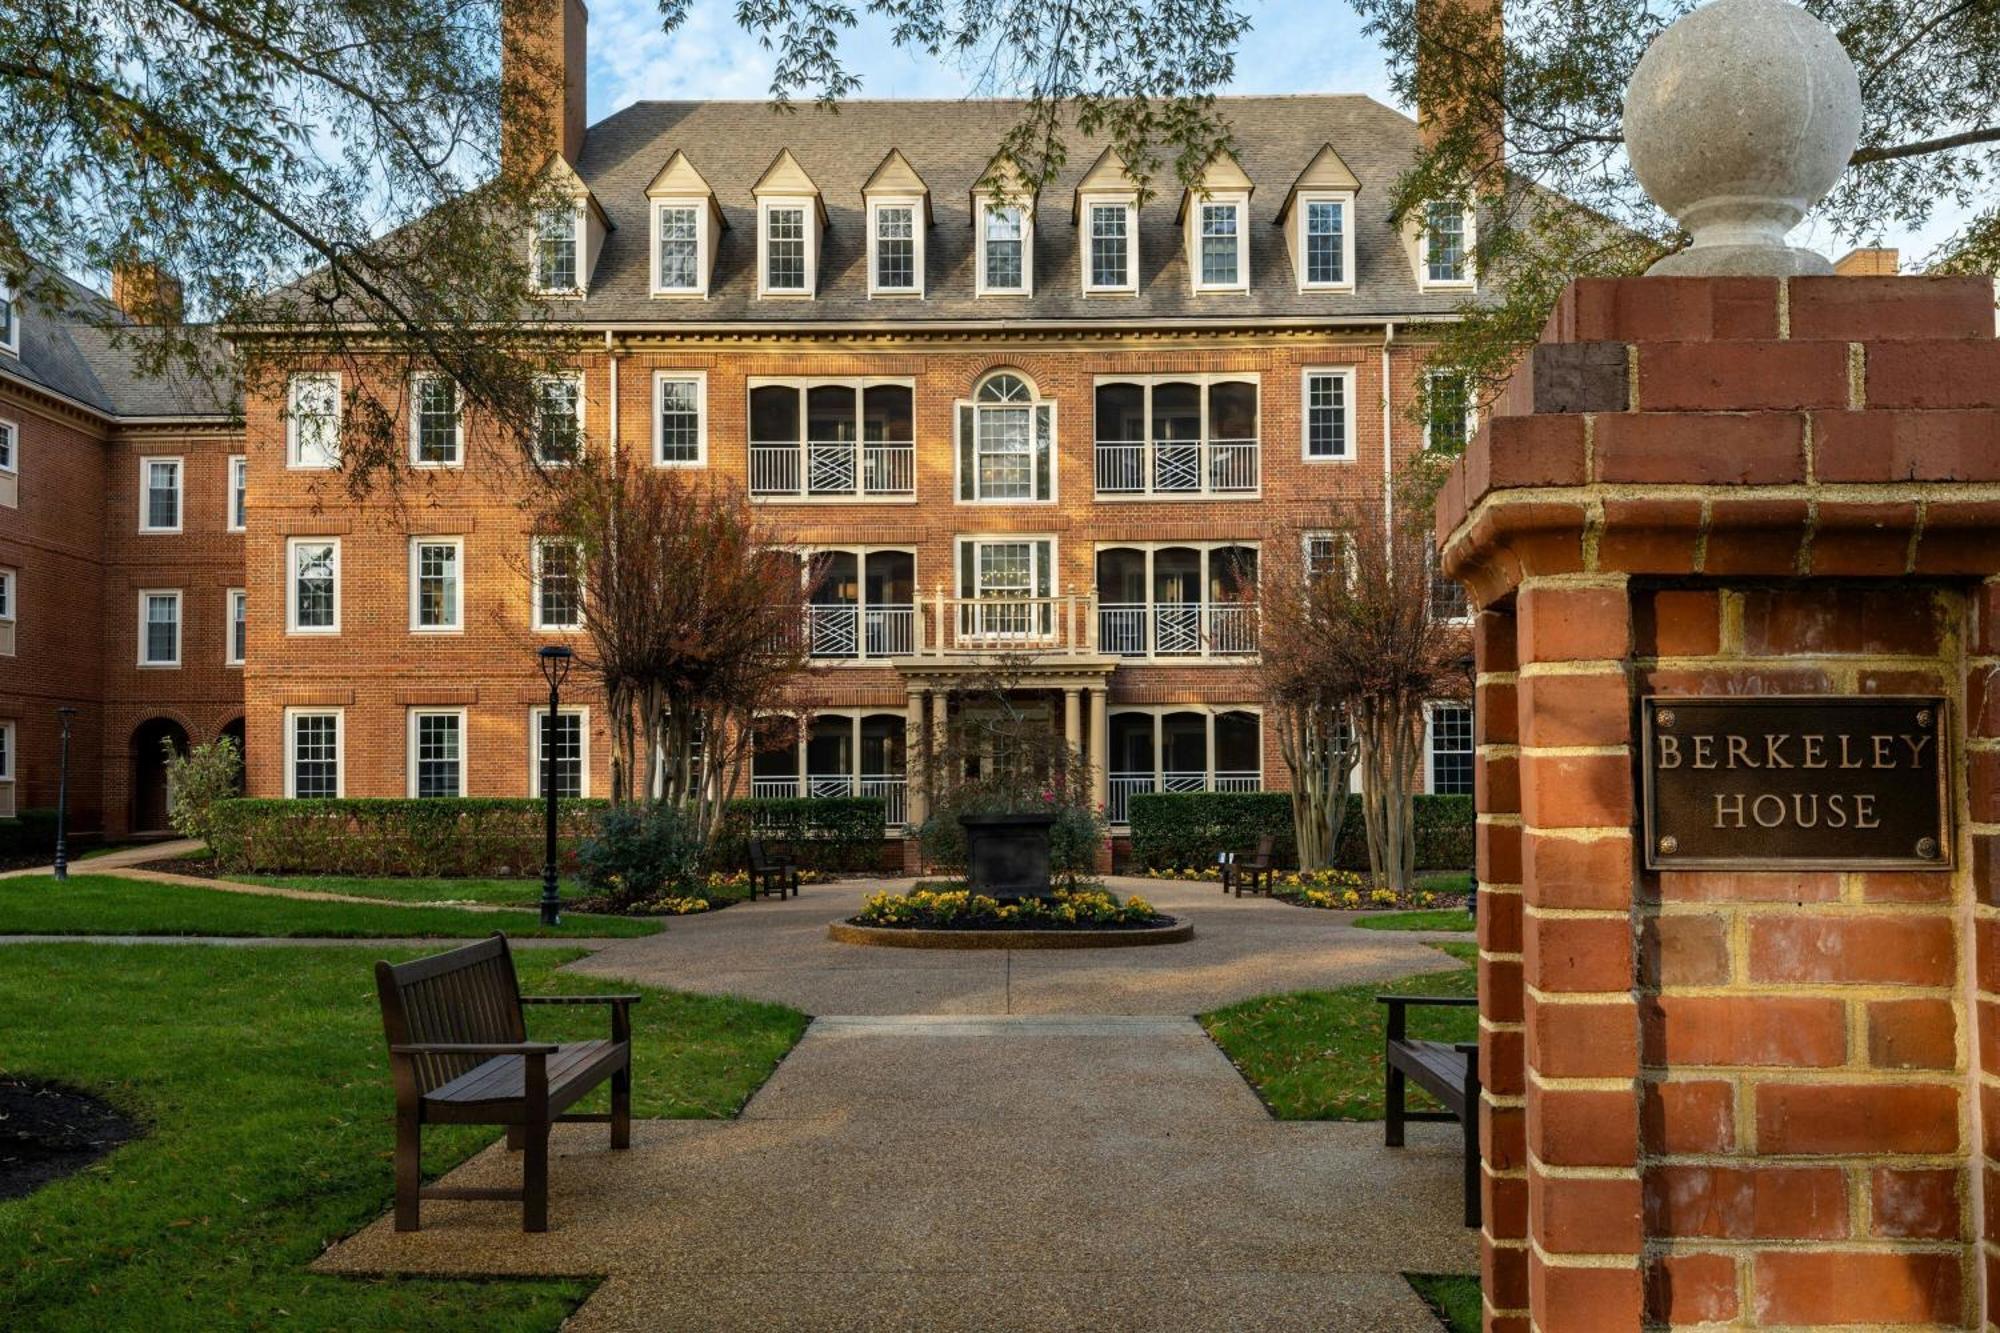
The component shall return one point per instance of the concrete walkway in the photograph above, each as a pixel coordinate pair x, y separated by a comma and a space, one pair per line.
113, 860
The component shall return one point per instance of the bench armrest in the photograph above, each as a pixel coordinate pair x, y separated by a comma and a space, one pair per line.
474, 1048
580, 999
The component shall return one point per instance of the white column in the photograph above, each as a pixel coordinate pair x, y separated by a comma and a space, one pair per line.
1072, 719
1100, 747
915, 807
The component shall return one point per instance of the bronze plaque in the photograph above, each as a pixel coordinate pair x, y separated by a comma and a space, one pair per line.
1818, 782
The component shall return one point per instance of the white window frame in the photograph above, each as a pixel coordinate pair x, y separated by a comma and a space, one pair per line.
10, 460
578, 238
876, 207
1471, 406
1239, 204
146, 465
410, 755
1033, 405
339, 716
535, 589
457, 623
700, 207
7, 752
417, 383
1301, 209
1349, 451
1027, 212
1209, 712
292, 625
1130, 203
542, 382
146, 595
1469, 278
1208, 547
802, 386
660, 380
239, 492
1029, 539
1206, 381
535, 715
294, 459
862, 606
10, 609
231, 599
807, 207
10, 319
1430, 746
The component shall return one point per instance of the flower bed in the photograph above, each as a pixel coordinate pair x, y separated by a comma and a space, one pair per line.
948, 905
1329, 890
717, 891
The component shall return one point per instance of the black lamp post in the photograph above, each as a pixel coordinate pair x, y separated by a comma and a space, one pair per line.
63, 715
555, 660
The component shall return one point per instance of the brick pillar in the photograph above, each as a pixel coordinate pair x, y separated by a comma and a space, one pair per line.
1756, 1099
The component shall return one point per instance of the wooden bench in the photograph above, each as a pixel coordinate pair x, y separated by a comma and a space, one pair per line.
1252, 870
771, 872
459, 1055
1448, 1071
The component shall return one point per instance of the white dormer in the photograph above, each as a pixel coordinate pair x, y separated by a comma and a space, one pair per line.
1215, 225
1106, 214
1440, 237
790, 220
567, 234
898, 204
687, 225
1318, 218
10, 323
1003, 218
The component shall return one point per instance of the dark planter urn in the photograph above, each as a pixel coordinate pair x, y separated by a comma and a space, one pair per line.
1007, 856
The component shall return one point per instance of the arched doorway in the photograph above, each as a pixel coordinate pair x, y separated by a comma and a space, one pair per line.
234, 730
149, 772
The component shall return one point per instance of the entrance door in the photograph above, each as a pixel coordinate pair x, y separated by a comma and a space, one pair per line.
149, 772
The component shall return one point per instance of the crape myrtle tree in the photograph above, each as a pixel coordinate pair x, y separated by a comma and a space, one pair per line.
1352, 652
692, 612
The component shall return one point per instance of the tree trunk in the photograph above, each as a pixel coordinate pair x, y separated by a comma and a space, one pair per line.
1387, 734
1309, 742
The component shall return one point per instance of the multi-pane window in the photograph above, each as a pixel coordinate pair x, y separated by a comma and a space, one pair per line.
1328, 553
555, 248
558, 585
239, 627
239, 492
785, 249
6, 751
10, 320
1006, 442
565, 740
680, 248
315, 757
829, 438
1448, 415
1328, 419
434, 422
160, 628
161, 503
8, 435
1325, 223
1005, 239
312, 426
1221, 258
559, 419
315, 585
679, 437
1444, 241
437, 754
1010, 582
9, 599
1110, 245
1448, 597
434, 583
895, 248
1451, 750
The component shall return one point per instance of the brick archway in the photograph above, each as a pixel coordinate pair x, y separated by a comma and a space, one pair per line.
149, 771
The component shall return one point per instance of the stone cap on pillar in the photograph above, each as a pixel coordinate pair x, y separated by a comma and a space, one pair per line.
1739, 426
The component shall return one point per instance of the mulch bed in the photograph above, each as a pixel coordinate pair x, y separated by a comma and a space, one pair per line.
48, 1131
206, 868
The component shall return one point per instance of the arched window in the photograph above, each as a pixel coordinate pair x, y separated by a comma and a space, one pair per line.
1006, 442
1003, 386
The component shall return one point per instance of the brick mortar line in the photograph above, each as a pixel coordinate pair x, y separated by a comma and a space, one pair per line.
1609, 581
1756, 1161
1601, 1259
1553, 1171
1573, 667
1824, 660
1812, 1076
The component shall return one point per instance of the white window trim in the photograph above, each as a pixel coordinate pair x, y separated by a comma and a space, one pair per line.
1130, 203
10, 332
535, 590
862, 606
964, 539
1240, 202
1149, 381
576, 378
535, 715
239, 469
7, 752
339, 716
1032, 405
293, 459
702, 246
12, 465
1027, 287
1210, 712
146, 492
457, 626
10, 610
1349, 452
417, 381
229, 598
700, 378
180, 627
802, 384
1471, 408
581, 240
410, 750
1430, 735
1345, 198
1207, 547
292, 625
917, 229
809, 206
1427, 283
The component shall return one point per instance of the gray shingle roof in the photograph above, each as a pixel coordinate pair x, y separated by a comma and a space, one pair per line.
79, 353
950, 143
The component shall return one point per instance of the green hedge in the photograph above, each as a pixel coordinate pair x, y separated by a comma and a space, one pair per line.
30, 832
823, 832
1181, 830
478, 836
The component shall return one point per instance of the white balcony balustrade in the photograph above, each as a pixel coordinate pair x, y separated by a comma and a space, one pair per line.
1124, 785
832, 469
1176, 629
846, 632
1178, 467
892, 788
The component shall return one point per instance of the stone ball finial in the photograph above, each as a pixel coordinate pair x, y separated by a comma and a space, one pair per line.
1739, 118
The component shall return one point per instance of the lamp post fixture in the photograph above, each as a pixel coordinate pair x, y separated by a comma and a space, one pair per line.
555, 662
63, 715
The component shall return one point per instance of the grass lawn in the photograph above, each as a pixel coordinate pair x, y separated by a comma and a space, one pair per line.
1317, 1055
109, 905
1448, 919
492, 892
262, 1076
1446, 881
1454, 1296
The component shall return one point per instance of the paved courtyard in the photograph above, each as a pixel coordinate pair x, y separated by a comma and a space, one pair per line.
983, 1141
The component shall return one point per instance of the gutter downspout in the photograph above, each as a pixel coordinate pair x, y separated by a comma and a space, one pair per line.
612, 353
1388, 437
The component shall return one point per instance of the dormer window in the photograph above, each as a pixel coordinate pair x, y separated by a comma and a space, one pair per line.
686, 223
1318, 218
10, 320
558, 248
1323, 242
1214, 218
1447, 255
1221, 246
895, 243
1110, 260
1004, 241
679, 230
785, 248
790, 217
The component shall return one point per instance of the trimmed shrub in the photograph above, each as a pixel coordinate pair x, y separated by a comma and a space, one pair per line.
822, 832
638, 854
30, 832
1186, 830
477, 836
197, 781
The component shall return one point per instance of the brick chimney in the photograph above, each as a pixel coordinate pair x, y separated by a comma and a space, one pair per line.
542, 70
145, 293
1451, 36
1877, 262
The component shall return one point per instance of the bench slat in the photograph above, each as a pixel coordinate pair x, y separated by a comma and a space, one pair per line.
504, 1078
